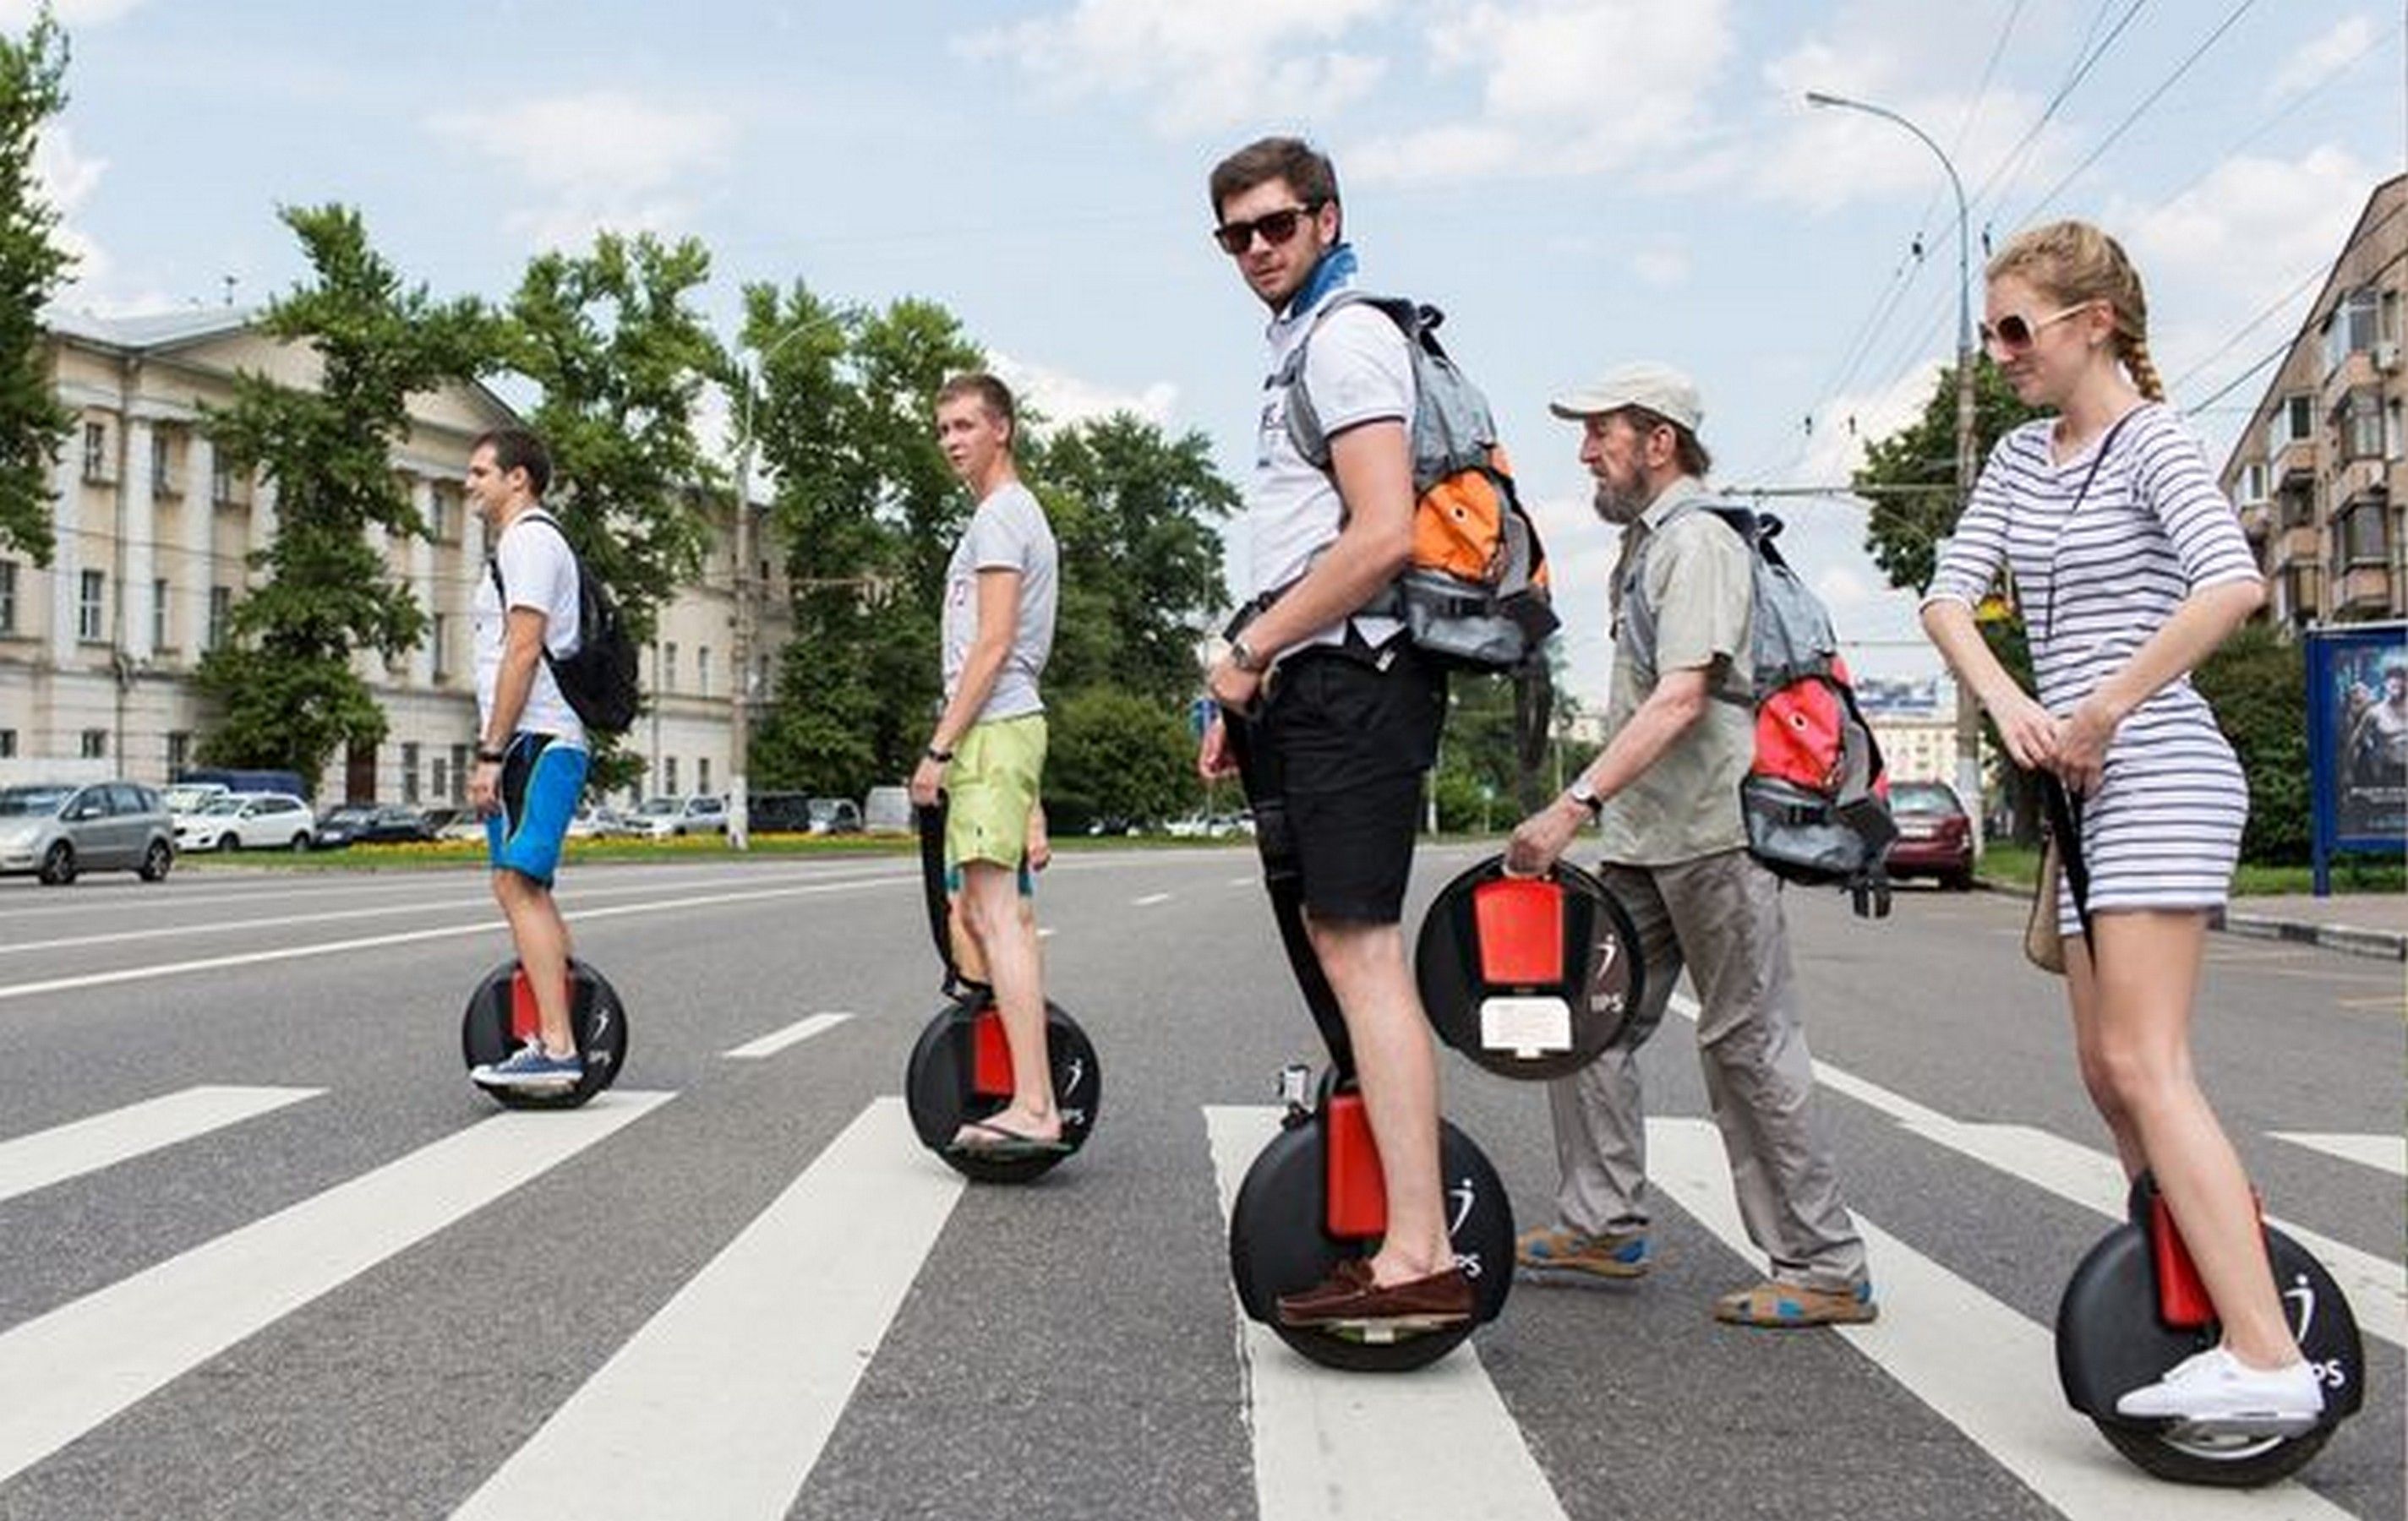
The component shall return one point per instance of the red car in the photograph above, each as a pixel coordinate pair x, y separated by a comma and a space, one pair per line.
1935, 835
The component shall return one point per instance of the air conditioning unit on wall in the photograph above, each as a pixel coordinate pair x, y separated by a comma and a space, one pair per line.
2386, 358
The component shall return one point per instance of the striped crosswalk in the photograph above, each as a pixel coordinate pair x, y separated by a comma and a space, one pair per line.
723, 1400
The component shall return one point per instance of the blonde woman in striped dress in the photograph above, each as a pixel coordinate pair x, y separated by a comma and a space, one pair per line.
2130, 567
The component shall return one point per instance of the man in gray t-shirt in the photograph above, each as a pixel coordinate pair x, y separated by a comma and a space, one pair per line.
988, 748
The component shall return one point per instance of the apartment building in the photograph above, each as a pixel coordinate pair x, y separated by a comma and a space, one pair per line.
155, 537
2321, 472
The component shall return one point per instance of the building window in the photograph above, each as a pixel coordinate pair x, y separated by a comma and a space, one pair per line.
459, 774
90, 587
668, 775
222, 485
702, 678
2353, 328
2360, 417
2361, 535
7, 743
162, 478
439, 779
702, 775
95, 451
180, 751
410, 771
159, 614
760, 679
8, 596
437, 627
2253, 483
669, 672
95, 744
2395, 443
2293, 423
221, 614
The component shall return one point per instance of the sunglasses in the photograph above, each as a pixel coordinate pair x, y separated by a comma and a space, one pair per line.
2016, 332
1277, 227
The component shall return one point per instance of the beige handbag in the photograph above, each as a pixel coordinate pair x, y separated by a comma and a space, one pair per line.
2044, 943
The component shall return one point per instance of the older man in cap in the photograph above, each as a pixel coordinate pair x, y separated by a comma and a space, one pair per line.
1680, 735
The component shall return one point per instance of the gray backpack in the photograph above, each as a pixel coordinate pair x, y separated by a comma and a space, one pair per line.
1475, 594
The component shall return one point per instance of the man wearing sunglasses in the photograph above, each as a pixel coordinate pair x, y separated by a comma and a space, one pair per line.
1340, 714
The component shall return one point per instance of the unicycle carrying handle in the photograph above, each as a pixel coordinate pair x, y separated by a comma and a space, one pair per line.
1257, 774
930, 820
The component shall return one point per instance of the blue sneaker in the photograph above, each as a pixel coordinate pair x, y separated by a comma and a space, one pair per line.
530, 1066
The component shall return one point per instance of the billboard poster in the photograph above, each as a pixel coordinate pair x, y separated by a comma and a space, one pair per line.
2358, 738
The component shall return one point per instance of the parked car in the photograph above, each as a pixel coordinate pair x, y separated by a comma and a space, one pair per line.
593, 821
231, 780
778, 813
185, 798
369, 823
887, 810
59, 829
251, 821
664, 818
834, 816
454, 824
1935, 835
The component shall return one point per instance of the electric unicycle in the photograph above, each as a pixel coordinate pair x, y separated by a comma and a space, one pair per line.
2135, 1307
1528, 976
1315, 1195
960, 1067
502, 1017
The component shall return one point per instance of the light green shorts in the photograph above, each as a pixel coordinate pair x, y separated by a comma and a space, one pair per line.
993, 787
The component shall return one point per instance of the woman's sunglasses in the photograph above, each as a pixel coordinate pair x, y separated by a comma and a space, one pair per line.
1277, 227
2016, 332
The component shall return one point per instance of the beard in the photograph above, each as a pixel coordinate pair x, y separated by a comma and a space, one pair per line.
1617, 506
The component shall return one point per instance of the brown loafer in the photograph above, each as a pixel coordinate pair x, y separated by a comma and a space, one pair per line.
1349, 1302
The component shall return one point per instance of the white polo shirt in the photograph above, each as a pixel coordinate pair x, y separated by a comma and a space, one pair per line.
1359, 369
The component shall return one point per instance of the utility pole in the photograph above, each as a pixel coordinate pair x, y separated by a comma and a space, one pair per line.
1969, 709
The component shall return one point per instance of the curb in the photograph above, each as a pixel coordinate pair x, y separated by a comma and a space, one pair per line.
2381, 945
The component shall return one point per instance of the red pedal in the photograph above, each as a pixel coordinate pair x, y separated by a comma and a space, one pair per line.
2182, 1303
990, 1058
1520, 922
526, 1019
1358, 1199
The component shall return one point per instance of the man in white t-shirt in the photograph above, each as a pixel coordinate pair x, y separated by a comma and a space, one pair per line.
531, 748
1349, 711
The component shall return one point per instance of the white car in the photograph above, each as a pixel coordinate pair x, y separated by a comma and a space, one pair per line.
248, 822
661, 818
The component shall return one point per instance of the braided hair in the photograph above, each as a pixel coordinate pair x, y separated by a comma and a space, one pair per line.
2074, 262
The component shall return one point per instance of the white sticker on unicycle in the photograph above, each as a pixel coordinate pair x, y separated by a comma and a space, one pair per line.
1527, 1027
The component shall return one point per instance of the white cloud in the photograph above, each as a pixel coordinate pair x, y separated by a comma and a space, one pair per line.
66, 179
1202, 66
1845, 425
1062, 398
1661, 266
16, 15
2314, 60
1567, 87
602, 158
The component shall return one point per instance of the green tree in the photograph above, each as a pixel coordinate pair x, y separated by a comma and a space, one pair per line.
33, 421
2257, 685
282, 683
1911, 478
621, 358
1115, 753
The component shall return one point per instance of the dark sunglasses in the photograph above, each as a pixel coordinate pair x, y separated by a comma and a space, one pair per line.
1277, 227
2016, 332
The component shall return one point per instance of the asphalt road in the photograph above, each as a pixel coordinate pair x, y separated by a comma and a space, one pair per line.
265, 1253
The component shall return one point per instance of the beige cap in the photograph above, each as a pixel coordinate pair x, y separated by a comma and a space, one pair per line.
1658, 387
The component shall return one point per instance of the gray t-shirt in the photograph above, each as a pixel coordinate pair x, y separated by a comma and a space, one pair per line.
1007, 532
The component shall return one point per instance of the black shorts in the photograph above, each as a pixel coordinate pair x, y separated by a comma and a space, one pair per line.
1345, 739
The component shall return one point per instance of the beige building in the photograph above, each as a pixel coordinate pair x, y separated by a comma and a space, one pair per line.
153, 540
2319, 472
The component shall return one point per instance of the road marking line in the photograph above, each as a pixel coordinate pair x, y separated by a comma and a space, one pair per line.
1045, 931
777, 1040
86, 1146
2081, 1175
404, 937
1988, 1370
1437, 1441
1149, 900
770, 1338
1245, 881
2385, 1153
64, 1372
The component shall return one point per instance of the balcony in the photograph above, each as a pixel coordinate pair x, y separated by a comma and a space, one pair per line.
2294, 461
2363, 590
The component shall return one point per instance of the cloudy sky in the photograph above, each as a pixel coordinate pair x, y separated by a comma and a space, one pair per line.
1576, 182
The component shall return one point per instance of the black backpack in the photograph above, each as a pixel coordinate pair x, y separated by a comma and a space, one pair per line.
598, 678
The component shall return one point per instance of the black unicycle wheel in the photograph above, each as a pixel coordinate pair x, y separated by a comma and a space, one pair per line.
2111, 1339
1280, 1243
960, 1071
501, 1018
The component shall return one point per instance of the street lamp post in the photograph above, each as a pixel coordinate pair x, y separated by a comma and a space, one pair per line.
1969, 710
739, 724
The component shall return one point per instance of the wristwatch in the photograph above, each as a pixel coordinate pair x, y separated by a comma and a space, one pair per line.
491, 758
1242, 656
1586, 795
943, 757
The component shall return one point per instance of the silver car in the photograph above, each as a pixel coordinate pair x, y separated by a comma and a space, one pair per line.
59, 829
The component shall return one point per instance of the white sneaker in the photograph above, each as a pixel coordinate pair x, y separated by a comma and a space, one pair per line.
2218, 1390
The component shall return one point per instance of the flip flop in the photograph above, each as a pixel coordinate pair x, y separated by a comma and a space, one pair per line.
1008, 1143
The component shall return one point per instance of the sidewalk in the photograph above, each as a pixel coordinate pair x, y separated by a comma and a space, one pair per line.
2361, 923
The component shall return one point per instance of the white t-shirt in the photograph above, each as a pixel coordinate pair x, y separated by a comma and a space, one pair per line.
1007, 532
1357, 370
540, 571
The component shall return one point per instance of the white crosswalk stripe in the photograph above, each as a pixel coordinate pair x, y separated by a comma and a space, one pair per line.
2385, 1153
63, 1373
1970, 1358
778, 1040
1438, 1442
770, 1338
66, 1151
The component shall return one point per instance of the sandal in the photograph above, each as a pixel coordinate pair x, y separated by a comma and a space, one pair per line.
1783, 1306
1008, 1144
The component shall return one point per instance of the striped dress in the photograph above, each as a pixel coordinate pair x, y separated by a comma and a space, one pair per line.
2163, 830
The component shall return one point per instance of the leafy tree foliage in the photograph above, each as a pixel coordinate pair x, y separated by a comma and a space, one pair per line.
2258, 684
1114, 754
33, 421
283, 682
